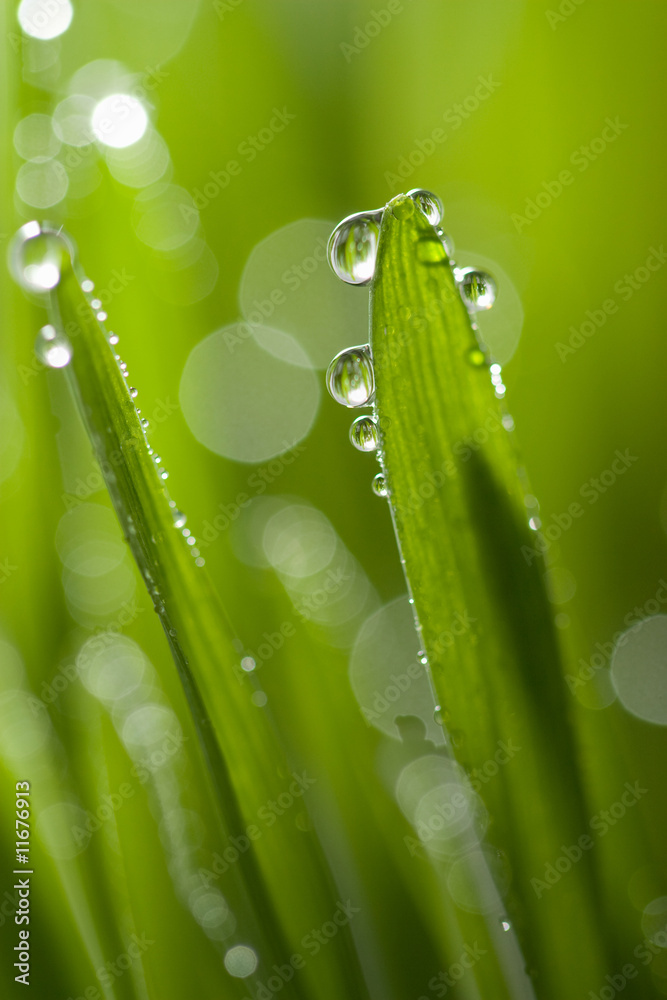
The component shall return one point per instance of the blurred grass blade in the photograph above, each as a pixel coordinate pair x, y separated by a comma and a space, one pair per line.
458, 508
285, 884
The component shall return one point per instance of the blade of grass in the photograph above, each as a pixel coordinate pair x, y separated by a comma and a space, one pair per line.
286, 885
457, 501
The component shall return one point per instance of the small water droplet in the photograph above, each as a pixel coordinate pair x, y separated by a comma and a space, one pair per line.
200, 561
53, 348
133, 392
476, 357
113, 339
192, 540
505, 924
179, 517
429, 204
403, 207
431, 251
350, 377
145, 423
96, 303
101, 316
163, 474
353, 247
440, 715
447, 241
379, 485
37, 256
364, 433
478, 289
248, 664
457, 737
508, 421
87, 285
534, 523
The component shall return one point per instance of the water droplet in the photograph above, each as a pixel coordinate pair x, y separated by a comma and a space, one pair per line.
87, 285
476, 357
429, 204
192, 540
200, 561
534, 523
101, 316
113, 339
431, 251
478, 289
145, 423
353, 247
163, 474
457, 737
350, 378
133, 392
248, 664
364, 433
53, 348
508, 421
505, 924
402, 207
379, 485
37, 257
179, 518
447, 241
96, 303
440, 715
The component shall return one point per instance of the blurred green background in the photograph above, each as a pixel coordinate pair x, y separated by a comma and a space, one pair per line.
325, 109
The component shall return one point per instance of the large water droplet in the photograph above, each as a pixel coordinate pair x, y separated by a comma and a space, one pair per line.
53, 348
379, 486
353, 247
37, 256
364, 433
429, 204
478, 289
350, 377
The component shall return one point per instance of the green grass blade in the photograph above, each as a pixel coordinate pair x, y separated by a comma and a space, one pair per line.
458, 505
282, 886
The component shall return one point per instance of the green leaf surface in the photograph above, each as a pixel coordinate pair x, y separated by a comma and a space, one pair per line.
457, 499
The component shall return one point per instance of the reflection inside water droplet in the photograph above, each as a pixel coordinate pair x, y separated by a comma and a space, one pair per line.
429, 204
379, 485
350, 377
353, 247
478, 289
364, 433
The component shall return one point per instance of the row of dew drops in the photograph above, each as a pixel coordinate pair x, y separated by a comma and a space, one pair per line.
352, 255
37, 257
